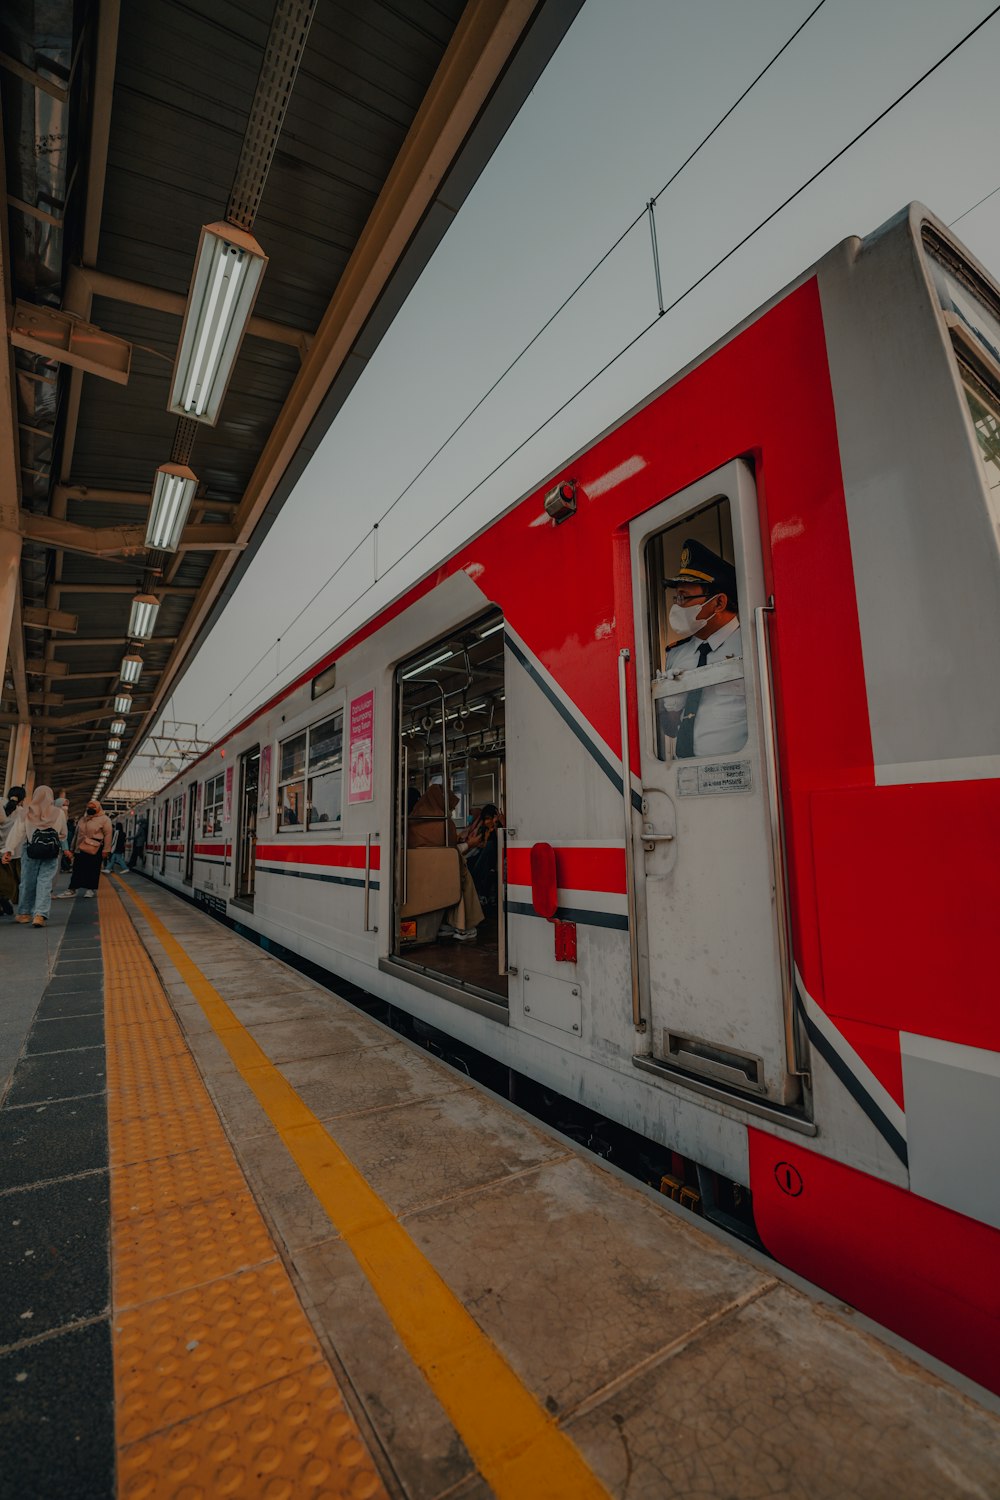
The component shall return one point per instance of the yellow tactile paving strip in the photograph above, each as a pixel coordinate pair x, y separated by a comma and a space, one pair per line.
221, 1388
515, 1442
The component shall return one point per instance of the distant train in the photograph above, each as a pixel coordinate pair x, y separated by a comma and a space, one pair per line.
772, 593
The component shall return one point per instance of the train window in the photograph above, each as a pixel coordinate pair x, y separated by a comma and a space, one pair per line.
215, 792
176, 818
326, 759
310, 776
699, 695
984, 409
291, 783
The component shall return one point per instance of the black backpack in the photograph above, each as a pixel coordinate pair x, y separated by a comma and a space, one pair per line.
43, 844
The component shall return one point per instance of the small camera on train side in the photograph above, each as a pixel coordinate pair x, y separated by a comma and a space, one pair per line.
560, 502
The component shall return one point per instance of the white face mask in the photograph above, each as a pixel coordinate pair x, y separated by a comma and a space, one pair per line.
684, 617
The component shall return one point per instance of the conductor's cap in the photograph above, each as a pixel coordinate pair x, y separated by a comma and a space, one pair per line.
699, 564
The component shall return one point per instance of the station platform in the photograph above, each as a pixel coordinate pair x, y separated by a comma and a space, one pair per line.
258, 1245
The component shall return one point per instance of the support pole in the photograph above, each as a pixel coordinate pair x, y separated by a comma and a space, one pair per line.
22, 755
10, 562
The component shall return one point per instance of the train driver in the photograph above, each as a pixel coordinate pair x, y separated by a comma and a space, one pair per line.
710, 720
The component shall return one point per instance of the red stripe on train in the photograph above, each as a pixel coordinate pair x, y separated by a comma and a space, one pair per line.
340, 856
576, 869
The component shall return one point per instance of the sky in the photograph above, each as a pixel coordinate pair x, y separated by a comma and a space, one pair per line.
634, 87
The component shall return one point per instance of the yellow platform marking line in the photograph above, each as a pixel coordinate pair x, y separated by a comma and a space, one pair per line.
516, 1444
221, 1387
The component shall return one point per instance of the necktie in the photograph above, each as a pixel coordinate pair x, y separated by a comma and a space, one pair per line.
684, 747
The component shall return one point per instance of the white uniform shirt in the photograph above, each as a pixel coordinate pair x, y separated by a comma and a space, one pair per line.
720, 725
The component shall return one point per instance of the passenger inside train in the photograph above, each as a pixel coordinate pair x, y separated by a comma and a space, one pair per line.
451, 765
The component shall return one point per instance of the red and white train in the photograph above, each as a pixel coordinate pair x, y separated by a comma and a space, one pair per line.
770, 946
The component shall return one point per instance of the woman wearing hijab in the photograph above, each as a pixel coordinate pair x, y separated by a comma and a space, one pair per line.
430, 827
10, 874
91, 845
39, 828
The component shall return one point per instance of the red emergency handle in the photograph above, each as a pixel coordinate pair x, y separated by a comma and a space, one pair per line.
544, 892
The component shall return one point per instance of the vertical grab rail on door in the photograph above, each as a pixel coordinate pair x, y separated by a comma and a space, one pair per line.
368, 870
624, 657
777, 831
501, 837
404, 836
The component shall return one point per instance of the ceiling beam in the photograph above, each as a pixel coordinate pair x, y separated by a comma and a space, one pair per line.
82, 587
115, 640
94, 541
69, 340
68, 721
106, 541
38, 666
50, 619
83, 281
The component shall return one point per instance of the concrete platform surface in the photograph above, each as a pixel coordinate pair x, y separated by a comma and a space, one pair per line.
464, 1268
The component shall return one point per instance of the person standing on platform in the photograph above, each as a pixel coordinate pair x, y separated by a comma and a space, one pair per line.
117, 860
39, 829
10, 873
138, 843
91, 843
66, 859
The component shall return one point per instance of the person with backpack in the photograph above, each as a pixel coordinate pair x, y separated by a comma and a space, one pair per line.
39, 830
91, 845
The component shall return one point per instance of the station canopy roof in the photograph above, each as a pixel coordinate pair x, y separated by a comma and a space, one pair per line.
343, 135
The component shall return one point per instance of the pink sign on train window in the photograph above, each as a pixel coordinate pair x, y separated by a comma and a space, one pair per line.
361, 765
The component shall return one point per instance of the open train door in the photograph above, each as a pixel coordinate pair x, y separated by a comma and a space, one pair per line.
711, 931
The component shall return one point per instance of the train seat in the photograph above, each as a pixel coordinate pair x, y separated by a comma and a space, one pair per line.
433, 881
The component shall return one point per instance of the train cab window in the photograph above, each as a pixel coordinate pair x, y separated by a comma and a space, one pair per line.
292, 784
215, 793
696, 637
984, 408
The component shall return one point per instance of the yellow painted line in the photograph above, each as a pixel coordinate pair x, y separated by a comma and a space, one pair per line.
516, 1444
219, 1377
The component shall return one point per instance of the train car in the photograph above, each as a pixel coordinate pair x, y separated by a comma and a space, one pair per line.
728, 677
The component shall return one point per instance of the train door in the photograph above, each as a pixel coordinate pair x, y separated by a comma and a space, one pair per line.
711, 914
192, 830
450, 765
163, 826
246, 828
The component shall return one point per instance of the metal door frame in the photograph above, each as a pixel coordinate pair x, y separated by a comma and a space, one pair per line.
239, 850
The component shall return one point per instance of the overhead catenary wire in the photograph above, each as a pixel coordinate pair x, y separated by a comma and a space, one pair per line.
529, 346
973, 206
734, 249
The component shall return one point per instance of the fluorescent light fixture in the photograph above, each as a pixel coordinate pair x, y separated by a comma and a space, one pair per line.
227, 276
434, 661
131, 667
118, 726
114, 743
173, 491
145, 608
492, 631
123, 703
